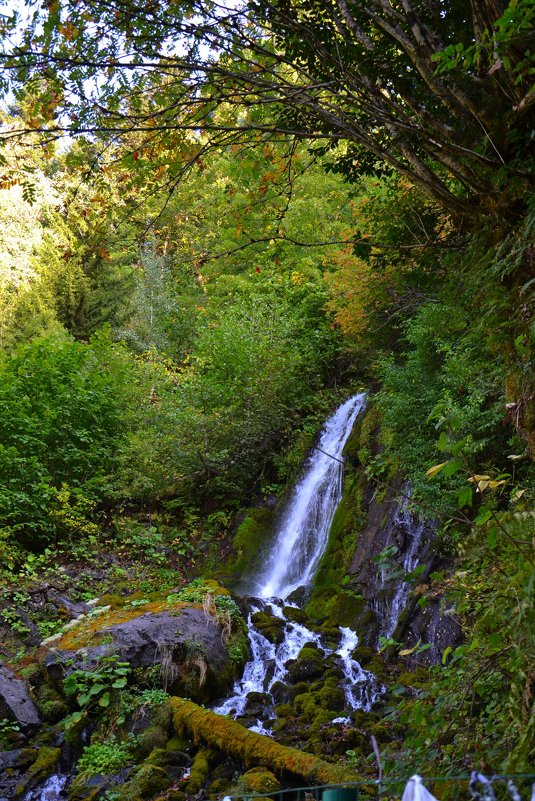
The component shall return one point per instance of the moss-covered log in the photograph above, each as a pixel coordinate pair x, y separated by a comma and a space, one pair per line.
253, 749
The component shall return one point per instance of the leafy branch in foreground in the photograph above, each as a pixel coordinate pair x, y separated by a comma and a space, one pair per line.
368, 77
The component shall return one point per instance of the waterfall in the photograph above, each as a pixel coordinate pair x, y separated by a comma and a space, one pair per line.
303, 531
298, 545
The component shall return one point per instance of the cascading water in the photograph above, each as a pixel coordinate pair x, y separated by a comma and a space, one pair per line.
298, 544
413, 530
304, 527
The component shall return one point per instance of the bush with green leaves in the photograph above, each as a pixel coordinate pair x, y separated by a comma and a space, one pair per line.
106, 757
446, 372
64, 407
98, 687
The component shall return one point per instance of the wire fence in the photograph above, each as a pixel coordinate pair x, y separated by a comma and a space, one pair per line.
505, 787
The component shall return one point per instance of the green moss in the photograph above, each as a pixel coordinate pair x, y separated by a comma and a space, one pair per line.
41, 769
199, 771
295, 615
33, 674
51, 705
218, 788
417, 678
159, 757
177, 744
146, 782
307, 705
270, 626
283, 710
81, 790
363, 655
153, 737
255, 530
332, 697
259, 780
326, 602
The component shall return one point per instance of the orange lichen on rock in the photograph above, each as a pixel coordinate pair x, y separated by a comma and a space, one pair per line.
93, 629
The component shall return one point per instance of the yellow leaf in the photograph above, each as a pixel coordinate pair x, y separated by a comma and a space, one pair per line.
436, 469
408, 651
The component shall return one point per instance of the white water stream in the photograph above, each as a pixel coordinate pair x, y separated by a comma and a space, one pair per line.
414, 529
298, 545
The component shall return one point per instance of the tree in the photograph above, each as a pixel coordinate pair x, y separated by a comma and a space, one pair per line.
437, 90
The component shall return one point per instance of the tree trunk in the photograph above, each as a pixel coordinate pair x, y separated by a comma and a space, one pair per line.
253, 749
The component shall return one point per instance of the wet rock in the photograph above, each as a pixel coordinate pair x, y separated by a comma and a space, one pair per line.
308, 665
271, 627
281, 692
257, 704
15, 701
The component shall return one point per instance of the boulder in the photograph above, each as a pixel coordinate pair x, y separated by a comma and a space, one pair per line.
15, 701
185, 642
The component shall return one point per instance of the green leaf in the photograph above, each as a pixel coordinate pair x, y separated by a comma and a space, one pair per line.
484, 515
465, 497
443, 442
104, 700
447, 652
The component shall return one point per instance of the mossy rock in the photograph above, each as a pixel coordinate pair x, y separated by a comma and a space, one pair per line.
51, 705
115, 601
307, 705
294, 614
150, 739
259, 780
284, 710
199, 771
381, 732
299, 688
41, 769
308, 665
332, 697
281, 692
417, 678
146, 782
218, 788
177, 744
379, 669
85, 787
270, 626
322, 718
363, 655
33, 674
254, 531
159, 757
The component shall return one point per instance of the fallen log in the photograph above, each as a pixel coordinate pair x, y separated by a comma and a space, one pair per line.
253, 749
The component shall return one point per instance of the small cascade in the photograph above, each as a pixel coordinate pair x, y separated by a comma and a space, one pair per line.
298, 545
268, 665
53, 789
412, 530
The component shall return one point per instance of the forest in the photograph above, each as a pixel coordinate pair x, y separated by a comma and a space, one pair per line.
219, 222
